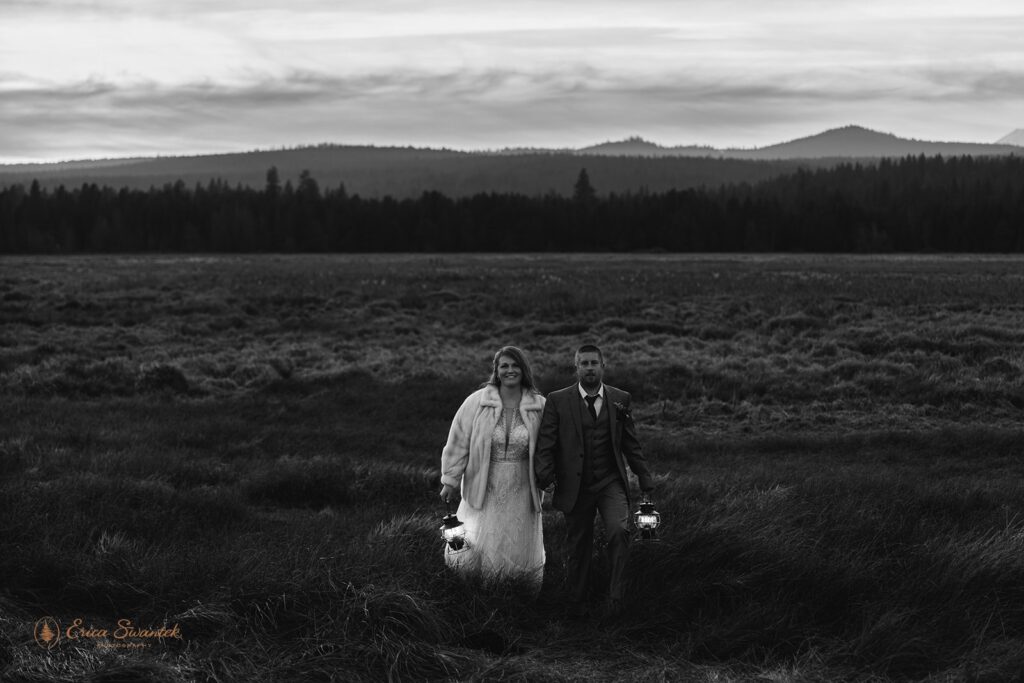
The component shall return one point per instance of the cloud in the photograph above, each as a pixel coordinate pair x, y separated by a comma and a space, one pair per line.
971, 84
488, 107
213, 76
574, 84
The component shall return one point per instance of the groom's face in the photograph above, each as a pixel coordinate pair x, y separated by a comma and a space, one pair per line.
589, 369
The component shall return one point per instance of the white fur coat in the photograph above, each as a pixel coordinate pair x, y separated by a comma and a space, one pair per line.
466, 457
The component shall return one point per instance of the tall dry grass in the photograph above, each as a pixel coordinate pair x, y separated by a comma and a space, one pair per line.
248, 447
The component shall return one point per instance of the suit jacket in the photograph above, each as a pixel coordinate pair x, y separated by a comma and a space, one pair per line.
559, 456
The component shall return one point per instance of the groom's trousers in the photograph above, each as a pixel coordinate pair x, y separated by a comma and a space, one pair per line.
613, 505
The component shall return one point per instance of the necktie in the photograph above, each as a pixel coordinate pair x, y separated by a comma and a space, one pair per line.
591, 400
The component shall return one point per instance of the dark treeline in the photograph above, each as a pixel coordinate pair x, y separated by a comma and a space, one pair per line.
913, 204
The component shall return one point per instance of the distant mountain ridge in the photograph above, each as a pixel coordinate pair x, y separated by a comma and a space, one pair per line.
853, 142
636, 146
629, 165
1014, 138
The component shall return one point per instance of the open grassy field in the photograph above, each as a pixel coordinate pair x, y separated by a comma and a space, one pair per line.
248, 448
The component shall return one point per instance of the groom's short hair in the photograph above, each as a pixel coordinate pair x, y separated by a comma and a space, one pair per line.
589, 348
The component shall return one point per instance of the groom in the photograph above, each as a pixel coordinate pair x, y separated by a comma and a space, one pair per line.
586, 438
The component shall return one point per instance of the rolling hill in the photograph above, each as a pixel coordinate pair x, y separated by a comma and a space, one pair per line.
1014, 138
629, 165
852, 142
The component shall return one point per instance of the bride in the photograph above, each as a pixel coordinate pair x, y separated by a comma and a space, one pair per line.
489, 455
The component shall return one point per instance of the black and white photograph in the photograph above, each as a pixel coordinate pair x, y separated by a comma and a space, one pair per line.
542, 341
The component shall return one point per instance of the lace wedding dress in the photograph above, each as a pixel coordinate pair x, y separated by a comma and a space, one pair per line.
505, 537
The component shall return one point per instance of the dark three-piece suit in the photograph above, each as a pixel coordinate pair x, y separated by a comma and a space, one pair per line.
586, 458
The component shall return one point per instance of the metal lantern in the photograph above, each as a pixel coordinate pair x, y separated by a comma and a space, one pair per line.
453, 531
647, 521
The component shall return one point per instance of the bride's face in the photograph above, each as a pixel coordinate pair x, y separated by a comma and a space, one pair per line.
509, 373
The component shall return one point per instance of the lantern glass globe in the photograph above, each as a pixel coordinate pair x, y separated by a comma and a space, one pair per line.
453, 531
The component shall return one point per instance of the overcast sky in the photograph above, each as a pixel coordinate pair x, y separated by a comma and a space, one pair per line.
115, 78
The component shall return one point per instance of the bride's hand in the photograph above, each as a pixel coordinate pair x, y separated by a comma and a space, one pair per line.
449, 493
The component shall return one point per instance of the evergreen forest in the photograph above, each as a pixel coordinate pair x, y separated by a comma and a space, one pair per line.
912, 204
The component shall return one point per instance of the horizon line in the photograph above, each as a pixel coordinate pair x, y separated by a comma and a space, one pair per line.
493, 150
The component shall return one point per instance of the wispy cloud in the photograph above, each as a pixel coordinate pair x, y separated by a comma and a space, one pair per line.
489, 107
136, 76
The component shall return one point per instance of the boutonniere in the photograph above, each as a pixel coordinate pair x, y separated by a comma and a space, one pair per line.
623, 410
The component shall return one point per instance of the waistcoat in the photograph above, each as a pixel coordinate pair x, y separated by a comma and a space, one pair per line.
599, 459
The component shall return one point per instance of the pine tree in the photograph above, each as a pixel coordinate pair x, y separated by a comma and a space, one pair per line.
273, 182
583, 191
